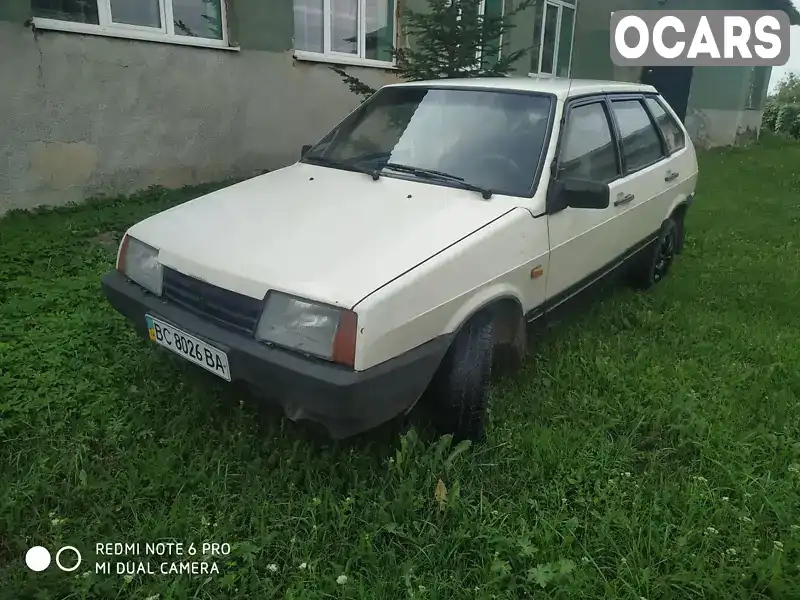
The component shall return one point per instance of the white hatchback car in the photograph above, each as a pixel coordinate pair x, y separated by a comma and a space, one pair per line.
414, 245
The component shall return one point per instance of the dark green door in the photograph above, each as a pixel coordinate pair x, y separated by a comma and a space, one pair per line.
673, 83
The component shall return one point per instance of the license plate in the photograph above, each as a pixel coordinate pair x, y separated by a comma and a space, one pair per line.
189, 347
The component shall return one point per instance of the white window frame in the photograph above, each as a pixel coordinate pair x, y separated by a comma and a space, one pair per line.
107, 27
559, 5
343, 58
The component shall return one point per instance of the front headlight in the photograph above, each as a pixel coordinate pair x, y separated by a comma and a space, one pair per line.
324, 331
139, 263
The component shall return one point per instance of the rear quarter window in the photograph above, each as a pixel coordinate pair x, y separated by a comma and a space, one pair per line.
673, 133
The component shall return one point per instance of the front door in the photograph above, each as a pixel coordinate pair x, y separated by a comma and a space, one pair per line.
673, 83
584, 242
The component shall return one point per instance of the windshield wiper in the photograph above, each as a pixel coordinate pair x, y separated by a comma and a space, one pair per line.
343, 164
441, 175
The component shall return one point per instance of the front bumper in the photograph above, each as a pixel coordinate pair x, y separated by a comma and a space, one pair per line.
344, 401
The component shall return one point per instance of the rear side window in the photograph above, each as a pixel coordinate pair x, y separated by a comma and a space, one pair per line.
641, 144
587, 150
669, 127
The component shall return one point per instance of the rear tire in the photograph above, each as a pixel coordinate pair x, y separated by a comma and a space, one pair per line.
680, 220
460, 388
656, 263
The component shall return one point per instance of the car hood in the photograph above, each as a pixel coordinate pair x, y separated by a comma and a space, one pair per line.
324, 234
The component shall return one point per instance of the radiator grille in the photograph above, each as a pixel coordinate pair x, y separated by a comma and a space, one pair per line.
223, 307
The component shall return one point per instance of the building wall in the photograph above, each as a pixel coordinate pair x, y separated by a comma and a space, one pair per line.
87, 115
716, 112
716, 105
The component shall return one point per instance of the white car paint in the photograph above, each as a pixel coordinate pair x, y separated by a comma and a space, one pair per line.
413, 259
440, 295
325, 234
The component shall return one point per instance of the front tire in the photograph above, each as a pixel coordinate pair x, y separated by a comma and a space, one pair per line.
460, 388
511, 344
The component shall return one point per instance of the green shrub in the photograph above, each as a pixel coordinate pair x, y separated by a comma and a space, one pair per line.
785, 120
770, 115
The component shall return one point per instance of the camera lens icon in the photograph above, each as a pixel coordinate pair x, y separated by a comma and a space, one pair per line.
38, 558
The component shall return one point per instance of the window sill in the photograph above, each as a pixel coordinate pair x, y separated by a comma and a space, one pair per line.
128, 34
343, 59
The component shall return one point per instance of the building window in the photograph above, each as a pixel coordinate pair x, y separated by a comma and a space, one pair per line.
553, 33
194, 22
349, 31
67, 10
488, 9
493, 9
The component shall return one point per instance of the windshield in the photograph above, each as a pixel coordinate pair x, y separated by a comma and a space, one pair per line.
491, 139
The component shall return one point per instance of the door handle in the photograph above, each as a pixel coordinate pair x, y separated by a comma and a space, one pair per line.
623, 199
671, 175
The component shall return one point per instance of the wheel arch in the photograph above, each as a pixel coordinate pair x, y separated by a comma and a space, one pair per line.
679, 215
498, 305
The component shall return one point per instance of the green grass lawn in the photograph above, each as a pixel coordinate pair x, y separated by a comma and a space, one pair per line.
649, 449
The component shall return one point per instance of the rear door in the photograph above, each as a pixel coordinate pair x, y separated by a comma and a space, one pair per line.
683, 160
645, 192
585, 242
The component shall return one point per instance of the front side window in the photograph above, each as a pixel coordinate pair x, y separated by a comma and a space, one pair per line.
354, 28
200, 19
553, 27
673, 134
587, 147
486, 138
641, 145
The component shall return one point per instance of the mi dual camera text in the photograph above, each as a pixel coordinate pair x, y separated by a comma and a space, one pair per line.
702, 38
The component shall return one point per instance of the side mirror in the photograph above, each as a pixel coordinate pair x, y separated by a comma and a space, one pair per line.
578, 193
304, 150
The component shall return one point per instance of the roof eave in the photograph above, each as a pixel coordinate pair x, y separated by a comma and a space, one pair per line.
786, 6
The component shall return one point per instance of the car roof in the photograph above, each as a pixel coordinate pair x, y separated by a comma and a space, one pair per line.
560, 87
